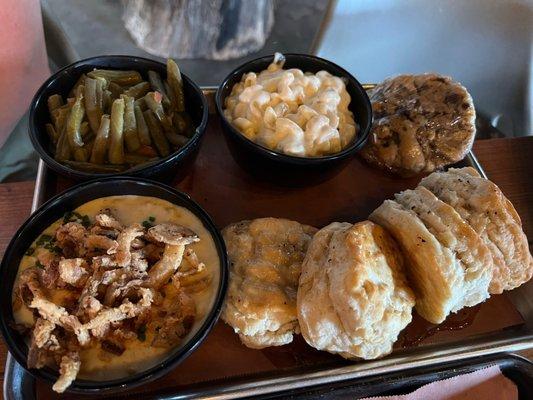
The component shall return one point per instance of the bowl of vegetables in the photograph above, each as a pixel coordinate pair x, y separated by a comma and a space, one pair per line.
117, 115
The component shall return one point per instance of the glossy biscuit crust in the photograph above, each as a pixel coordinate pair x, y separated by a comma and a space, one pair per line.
265, 256
432, 270
483, 205
453, 233
353, 299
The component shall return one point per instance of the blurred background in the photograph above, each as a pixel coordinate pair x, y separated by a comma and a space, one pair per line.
485, 44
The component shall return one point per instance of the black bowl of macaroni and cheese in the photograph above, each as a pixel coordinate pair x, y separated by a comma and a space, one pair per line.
294, 109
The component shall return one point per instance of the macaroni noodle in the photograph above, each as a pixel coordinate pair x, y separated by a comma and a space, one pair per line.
296, 113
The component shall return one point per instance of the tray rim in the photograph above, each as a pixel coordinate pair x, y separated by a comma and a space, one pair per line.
256, 385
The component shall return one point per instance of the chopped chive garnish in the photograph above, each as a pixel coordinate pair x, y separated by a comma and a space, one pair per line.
73, 216
149, 222
141, 333
85, 221
43, 240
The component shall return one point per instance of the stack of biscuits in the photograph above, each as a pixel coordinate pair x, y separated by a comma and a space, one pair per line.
349, 289
462, 238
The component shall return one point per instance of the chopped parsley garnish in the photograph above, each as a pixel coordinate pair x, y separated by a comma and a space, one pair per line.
73, 216
30, 251
85, 221
47, 242
68, 217
141, 333
149, 222
43, 240
52, 248
146, 224
39, 265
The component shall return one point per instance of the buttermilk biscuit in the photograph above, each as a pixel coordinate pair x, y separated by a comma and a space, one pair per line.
353, 299
454, 233
433, 272
482, 204
421, 123
265, 256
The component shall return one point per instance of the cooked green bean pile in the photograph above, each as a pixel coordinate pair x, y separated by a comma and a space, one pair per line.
114, 120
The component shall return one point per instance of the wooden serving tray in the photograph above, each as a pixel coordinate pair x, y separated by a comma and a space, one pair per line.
222, 366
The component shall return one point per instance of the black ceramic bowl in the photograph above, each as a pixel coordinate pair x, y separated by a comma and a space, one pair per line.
63, 81
359, 105
55, 209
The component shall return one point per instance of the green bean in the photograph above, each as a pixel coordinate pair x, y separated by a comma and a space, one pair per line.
171, 96
100, 143
81, 154
174, 138
143, 165
158, 86
130, 126
115, 89
54, 102
120, 77
88, 148
138, 90
158, 137
96, 168
59, 117
175, 82
74, 120
63, 151
92, 106
103, 82
52, 133
116, 117
79, 82
141, 104
153, 102
178, 120
116, 142
101, 85
180, 140
107, 99
134, 159
142, 128
85, 131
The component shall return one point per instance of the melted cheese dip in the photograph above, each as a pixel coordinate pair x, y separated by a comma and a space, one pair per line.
139, 355
292, 112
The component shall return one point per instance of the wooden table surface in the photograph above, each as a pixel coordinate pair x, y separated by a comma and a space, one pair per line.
507, 162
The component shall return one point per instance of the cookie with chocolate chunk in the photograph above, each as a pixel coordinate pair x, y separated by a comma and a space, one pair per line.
421, 123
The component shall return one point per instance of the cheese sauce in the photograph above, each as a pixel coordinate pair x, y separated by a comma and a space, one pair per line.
139, 355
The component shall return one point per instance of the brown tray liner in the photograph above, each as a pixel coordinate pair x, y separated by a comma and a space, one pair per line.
229, 193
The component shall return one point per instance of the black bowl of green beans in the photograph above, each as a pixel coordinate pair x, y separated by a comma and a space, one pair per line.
117, 115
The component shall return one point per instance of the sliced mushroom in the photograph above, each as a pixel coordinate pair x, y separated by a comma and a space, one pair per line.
162, 270
73, 271
68, 370
107, 221
172, 234
125, 238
